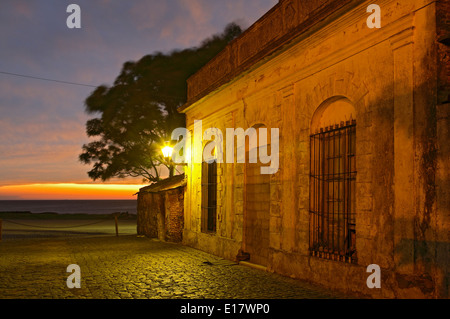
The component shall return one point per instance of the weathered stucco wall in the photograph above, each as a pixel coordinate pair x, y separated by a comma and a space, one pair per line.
402, 211
147, 209
161, 214
443, 147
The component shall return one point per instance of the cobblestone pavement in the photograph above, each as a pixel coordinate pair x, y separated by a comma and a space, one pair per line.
129, 267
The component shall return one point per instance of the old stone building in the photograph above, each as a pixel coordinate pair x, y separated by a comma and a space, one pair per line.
363, 174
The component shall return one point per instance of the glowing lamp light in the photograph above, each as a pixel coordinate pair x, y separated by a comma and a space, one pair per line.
167, 151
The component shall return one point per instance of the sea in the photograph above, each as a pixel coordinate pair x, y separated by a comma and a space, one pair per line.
70, 206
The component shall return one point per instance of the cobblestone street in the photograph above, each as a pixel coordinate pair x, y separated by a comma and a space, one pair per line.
129, 267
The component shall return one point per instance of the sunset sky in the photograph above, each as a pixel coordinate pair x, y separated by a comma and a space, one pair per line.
42, 124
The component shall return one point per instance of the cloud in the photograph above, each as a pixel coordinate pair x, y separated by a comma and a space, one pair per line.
190, 24
148, 15
199, 10
195, 20
42, 123
23, 9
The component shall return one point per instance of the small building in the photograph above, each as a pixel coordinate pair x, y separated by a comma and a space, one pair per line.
362, 116
160, 210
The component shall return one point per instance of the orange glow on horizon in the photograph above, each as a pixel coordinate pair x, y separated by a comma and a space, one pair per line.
69, 191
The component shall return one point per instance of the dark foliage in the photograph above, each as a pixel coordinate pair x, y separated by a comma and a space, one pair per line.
138, 113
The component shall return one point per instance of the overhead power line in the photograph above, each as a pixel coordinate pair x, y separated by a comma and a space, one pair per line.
44, 79
80, 84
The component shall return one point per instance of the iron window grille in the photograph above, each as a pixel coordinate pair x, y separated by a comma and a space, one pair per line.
332, 193
209, 196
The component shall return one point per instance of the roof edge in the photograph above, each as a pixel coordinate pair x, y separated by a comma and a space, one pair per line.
278, 27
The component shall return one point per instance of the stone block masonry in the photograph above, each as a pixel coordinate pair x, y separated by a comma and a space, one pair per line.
298, 69
161, 210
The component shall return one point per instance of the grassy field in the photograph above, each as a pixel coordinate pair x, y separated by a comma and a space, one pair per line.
22, 225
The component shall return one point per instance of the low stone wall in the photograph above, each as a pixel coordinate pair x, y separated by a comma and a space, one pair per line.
147, 211
161, 211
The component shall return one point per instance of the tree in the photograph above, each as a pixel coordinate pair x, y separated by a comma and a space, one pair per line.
138, 113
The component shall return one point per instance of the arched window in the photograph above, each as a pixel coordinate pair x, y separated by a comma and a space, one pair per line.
333, 181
